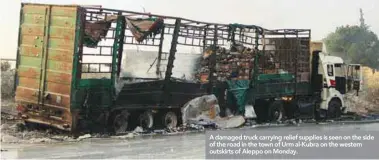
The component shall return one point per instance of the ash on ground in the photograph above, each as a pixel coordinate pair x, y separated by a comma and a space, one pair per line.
14, 131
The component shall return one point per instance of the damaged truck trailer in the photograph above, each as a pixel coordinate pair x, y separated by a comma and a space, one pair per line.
55, 87
242, 64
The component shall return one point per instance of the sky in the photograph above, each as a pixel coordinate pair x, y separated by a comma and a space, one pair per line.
321, 16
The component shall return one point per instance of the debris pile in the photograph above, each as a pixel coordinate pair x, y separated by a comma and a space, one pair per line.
204, 112
367, 102
235, 64
18, 133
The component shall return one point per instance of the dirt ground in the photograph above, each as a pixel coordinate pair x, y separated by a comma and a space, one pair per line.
368, 100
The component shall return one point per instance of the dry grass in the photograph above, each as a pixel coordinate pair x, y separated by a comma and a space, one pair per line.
368, 99
371, 82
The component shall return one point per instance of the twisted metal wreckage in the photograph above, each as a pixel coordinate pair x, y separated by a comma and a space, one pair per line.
260, 63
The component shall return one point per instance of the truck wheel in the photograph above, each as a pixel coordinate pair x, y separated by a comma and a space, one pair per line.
170, 120
146, 120
120, 122
261, 110
276, 111
334, 109
320, 114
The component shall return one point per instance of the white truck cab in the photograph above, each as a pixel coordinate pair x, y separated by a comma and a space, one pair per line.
336, 81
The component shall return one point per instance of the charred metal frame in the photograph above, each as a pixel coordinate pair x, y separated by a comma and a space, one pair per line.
159, 58
190, 32
100, 93
292, 56
118, 47
212, 64
187, 32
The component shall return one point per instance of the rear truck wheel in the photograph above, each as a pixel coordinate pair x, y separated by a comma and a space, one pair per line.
291, 109
146, 120
334, 109
261, 110
170, 120
120, 122
276, 111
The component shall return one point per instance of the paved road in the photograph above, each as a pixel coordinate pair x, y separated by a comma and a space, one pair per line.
168, 147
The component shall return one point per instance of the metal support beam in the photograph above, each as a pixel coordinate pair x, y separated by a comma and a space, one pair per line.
205, 38
212, 68
170, 63
118, 47
121, 44
158, 72
171, 57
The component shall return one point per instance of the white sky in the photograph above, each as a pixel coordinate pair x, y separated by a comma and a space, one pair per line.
322, 16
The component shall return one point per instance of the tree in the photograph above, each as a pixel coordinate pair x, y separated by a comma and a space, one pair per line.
5, 66
357, 44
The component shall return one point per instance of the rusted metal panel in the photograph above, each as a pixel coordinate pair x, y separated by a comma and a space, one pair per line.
30, 51
54, 88
61, 43
31, 30
61, 78
46, 49
60, 55
28, 72
24, 94
31, 41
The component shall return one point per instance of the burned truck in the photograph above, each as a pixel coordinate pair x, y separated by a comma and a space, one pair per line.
279, 76
56, 86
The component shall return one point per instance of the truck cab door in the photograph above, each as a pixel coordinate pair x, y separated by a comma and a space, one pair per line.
340, 77
354, 77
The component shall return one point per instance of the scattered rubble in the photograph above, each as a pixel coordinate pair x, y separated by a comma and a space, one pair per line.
230, 122
138, 129
204, 111
18, 133
84, 137
9, 139
127, 136
368, 100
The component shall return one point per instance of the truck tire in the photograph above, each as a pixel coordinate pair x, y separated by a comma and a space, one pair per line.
261, 110
146, 120
334, 109
292, 109
319, 114
170, 120
276, 111
120, 122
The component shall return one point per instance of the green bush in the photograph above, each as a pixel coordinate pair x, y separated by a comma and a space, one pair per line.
7, 84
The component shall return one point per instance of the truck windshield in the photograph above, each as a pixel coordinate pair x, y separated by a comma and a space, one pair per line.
339, 70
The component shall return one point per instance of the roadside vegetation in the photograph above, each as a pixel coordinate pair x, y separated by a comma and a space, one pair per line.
7, 80
357, 44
